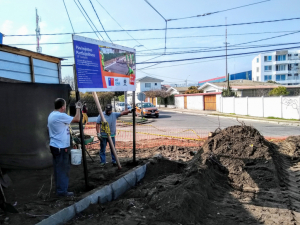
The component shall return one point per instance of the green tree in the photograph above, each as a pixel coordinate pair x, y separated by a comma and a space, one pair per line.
193, 90
279, 91
121, 98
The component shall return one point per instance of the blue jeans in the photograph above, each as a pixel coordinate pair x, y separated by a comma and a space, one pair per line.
61, 165
103, 144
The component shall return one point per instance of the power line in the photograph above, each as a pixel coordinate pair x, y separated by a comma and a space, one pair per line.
120, 26
171, 28
188, 52
100, 21
87, 22
62, 43
207, 14
182, 64
89, 19
216, 50
217, 56
164, 20
68, 16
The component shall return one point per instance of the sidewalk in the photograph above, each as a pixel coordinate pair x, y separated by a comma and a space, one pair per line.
226, 115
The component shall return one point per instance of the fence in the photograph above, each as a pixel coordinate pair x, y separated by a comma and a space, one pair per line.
148, 136
279, 107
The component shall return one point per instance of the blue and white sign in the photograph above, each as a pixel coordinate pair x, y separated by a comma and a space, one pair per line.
102, 66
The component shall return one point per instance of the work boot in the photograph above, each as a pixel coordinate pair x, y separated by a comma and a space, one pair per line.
102, 165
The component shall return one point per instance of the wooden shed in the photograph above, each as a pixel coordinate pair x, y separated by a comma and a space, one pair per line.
21, 65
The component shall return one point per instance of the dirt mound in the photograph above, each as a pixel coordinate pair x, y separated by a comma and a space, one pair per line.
231, 180
290, 147
244, 152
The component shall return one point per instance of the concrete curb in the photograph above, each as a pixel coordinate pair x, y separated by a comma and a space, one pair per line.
105, 194
242, 118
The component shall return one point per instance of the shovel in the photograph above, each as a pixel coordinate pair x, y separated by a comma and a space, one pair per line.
6, 207
4, 179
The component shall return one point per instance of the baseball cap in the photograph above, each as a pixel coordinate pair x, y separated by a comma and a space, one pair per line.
108, 107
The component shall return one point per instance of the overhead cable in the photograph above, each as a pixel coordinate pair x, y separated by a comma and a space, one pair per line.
217, 56
120, 26
87, 21
164, 20
100, 21
207, 14
90, 19
170, 28
68, 16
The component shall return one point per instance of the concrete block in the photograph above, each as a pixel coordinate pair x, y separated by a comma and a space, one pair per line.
60, 217
82, 204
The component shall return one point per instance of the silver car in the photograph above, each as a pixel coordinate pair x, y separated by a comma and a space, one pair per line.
120, 106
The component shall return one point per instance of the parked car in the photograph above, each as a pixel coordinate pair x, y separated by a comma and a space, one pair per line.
120, 106
146, 109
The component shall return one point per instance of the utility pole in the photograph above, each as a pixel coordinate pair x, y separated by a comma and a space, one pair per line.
227, 75
38, 32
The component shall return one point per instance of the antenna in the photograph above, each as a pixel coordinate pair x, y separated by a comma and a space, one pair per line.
38, 32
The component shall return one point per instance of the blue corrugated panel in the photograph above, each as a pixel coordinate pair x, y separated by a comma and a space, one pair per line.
14, 66
243, 75
45, 72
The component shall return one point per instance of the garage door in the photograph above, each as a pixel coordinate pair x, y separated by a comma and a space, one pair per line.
210, 102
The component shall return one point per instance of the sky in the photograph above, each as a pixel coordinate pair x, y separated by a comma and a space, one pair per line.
18, 18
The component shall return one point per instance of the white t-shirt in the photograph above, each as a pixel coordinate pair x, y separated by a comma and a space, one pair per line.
59, 132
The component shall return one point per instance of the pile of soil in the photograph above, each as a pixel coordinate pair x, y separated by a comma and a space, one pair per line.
291, 146
231, 180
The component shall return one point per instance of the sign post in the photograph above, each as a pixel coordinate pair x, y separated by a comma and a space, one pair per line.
103, 66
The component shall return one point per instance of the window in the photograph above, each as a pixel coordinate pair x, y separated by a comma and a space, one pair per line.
257, 69
296, 64
289, 55
155, 84
289, 67
280, 77
296, 74
268, 58
147, 85
257, 60
280, 67
257, 78
296, 55
268, 68
280, 58
289, 75
269, 77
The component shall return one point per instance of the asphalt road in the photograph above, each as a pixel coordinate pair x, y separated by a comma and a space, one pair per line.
210, 123
118, 67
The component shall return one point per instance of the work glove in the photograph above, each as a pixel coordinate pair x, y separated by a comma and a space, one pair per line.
99, 136
78, 105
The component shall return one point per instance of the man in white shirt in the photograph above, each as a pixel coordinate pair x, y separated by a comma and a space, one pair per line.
59, 133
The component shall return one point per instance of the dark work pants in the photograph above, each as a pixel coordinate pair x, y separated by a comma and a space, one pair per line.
61, 166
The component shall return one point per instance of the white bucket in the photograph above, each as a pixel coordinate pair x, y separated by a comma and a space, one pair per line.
76, 155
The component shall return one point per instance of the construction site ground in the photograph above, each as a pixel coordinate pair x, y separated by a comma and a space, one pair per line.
235, 177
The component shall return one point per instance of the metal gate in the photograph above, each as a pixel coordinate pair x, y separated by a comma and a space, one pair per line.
210, 102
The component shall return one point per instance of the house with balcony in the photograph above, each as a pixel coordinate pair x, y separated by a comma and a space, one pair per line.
283, 67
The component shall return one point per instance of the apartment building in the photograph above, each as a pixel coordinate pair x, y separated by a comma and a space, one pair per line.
280, 66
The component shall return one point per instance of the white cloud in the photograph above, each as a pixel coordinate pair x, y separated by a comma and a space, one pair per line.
23, 30
7, 27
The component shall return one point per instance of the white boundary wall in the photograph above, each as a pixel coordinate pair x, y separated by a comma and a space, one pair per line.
280, 107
